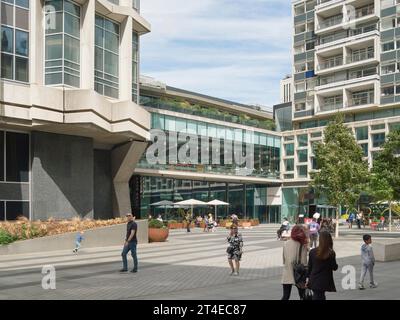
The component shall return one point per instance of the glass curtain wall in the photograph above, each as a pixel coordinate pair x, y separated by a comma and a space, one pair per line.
106, 74
266, 147
62, 53
15, 40
135, 66
244, 200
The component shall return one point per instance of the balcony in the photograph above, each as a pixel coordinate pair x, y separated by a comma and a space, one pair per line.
360, 57
360, 99
331, 106
330, 22
344, 36
347, 78
353, 17
331, 63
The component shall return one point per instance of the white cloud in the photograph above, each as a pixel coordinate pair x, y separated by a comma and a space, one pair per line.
218, 47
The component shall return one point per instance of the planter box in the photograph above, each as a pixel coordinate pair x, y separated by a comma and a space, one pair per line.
158, 235
246, 224
175, 225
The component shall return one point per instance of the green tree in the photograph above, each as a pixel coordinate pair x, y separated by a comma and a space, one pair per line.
385, 174
342, 173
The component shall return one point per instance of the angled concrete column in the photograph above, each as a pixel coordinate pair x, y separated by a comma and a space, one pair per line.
123, 162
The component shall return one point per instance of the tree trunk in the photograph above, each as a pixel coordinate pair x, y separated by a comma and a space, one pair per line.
337, 222
390, 216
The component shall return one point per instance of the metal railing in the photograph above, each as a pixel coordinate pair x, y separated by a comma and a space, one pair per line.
346, 34
331, 106
331, 63
363, 99
333, 21
361, 56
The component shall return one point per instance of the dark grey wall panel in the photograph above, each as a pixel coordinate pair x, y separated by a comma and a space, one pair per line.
102, 185
388, 12
387, 78
14, 191
300, 57
62, 176
300, 18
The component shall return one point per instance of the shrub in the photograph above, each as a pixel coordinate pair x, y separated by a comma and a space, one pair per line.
172, 221
156, 224
6, 237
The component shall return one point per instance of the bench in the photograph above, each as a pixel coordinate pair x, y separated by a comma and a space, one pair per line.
387, 250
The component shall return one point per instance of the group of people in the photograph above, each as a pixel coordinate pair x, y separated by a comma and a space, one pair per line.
358, 218
319, 263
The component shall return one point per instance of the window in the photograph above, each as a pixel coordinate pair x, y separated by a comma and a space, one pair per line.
302, 171
299, 9
389, 68
15, 40
135, 64
378, 139
364, 147
136, 5
316, 134
380, 126
289, 165
62, 54
388, 91
388, 46
362, 133
302, 155
17, 157
310, 45
299, 106
302, 140
289, 149
106, 57
300, 28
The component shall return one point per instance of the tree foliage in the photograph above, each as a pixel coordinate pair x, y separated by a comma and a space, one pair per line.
385, 174
342, 174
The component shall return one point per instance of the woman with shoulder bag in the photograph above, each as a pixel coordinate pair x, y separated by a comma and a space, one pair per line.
234, 249
321, 264
294, 253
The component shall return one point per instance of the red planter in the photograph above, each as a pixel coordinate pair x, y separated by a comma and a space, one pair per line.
175, 225
158, 235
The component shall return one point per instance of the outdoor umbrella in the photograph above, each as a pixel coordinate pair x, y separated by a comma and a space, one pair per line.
217, 203
163, 204
191, 203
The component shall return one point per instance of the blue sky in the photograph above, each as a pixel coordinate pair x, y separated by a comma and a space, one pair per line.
232, 49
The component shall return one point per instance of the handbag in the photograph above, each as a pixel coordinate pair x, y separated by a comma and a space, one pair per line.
300, 272
230, 250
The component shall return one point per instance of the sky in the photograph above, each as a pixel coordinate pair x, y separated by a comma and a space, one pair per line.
237, 50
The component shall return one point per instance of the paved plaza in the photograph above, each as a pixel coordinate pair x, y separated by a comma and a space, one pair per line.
188, 266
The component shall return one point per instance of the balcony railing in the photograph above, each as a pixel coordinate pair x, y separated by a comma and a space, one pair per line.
331, 106
346, 34
361, 56
331, 63
360, 100
331, 22
350, 76
364, 11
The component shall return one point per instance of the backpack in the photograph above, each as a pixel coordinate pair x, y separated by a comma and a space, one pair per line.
313, 227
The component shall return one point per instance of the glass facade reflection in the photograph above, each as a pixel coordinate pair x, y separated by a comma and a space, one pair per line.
246, 200
266, 147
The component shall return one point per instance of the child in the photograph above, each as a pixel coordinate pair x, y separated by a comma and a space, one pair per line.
368, 262
79, 238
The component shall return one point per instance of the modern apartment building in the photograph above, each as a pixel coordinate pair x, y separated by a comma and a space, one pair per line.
218, 126
345, 59
71, 128
283, 110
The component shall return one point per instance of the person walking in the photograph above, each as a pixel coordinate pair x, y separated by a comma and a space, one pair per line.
235, 249
321, 264
368, 262
358, 219
205, 224
235, 219
351, 219
294, 250
188, 221
314, 228
78, 241
130, 244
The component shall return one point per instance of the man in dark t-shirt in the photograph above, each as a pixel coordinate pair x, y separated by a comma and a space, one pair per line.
130, 244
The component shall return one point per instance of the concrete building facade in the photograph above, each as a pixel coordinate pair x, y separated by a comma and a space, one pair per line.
71, 127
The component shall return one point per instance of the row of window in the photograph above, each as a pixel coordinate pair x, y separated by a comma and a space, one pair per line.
11, 210
304, 7
62, 46
15, 39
